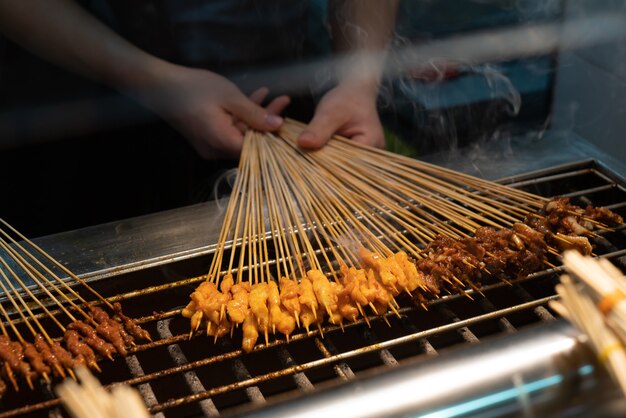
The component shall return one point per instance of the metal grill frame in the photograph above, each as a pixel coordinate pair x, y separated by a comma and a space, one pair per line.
331, 356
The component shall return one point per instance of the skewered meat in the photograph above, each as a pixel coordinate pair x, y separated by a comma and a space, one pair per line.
65, 358
91, 338
48, 356
130, 325
12, 354
603, 215
280, 318
237, 307
569, 242
324, 294
35, 359
306, 297
258, 305
569, 219
373, 261
446, 264
77, 347
289, 297
111, 330
345, 306
250, 332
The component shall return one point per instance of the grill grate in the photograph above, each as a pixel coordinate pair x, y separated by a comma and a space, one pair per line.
181, 377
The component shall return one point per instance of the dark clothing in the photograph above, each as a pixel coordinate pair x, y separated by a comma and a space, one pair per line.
111, 159
225, 36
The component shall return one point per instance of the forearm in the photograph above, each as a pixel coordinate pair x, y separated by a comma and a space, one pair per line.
62, 32
364, 29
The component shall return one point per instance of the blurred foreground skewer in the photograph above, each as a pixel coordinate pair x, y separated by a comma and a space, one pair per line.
89, 399
593, 298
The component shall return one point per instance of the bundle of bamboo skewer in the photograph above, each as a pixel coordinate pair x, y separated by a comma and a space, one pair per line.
88, 399
332, 233
593, 298
50, 325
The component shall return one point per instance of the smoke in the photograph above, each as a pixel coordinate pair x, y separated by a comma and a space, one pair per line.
225, 181
480, 51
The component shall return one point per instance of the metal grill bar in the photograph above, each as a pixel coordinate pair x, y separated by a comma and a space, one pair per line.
191, 378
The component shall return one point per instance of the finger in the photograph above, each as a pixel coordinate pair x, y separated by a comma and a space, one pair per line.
242, 127
277, 105
223, 136
371, 140
318, 132
232, 141
252, 114
259, 95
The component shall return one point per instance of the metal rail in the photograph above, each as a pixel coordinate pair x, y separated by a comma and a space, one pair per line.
491, 379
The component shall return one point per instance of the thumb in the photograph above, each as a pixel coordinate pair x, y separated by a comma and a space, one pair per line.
252, 114
318, 132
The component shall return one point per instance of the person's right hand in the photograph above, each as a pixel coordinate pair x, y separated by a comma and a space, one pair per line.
209, 110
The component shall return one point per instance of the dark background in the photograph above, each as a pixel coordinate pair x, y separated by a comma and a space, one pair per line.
74, 153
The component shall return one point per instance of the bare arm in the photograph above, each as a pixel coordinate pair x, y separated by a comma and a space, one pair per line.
362, 29
208, 109
64, 33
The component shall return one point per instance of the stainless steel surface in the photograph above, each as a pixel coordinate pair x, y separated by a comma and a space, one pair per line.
540, 371
130, 244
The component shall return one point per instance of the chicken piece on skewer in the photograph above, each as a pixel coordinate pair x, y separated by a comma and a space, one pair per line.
220, 329
414, 279
533, 240
91, 338
195, 321
36, 360
208, 301
289, 297
353, 281
196, 308
306, 297
66, 358
211, 303
111, 330
346, 307
250, 332
379, 297
12, 354
397, 271
78, 348
225, 287
324, 292
571, 242
280, 318
189, 310
309, 317
237, 307
130, 325
603, 215
258, 306
48, 356
376, 263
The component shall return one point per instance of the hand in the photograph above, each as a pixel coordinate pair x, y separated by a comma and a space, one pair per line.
348, 110
210, 111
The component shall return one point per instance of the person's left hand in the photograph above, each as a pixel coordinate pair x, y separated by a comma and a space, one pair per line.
348, 110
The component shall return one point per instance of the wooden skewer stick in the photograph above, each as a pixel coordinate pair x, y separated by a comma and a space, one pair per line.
56, 263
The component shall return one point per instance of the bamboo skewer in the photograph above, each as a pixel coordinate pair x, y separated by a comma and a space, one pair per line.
29, 283
595, 303
321, 205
